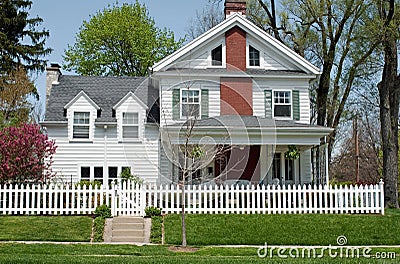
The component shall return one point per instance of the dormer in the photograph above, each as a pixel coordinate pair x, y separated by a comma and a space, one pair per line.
81, 113
130, 113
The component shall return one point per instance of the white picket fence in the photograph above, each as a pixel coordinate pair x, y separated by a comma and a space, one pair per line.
130, 199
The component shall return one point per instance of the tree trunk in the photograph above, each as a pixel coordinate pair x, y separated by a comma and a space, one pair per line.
184, 243
389, 110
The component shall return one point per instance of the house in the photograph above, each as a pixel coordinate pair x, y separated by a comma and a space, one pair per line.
234, 87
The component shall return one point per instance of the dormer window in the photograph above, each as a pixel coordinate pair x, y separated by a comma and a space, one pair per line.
254, 56
130, 125
81, 126
216, 56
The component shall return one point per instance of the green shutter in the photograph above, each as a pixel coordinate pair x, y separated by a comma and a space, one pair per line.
176, 94
268, 103
296, 104
204, 103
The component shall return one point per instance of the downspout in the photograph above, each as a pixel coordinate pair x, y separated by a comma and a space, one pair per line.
105, 170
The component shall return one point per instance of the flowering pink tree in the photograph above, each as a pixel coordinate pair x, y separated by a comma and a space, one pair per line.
26, 154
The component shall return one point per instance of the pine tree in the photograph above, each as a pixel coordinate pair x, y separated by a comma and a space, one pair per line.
21, 42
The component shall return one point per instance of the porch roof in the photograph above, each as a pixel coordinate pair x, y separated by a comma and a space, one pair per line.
247, 130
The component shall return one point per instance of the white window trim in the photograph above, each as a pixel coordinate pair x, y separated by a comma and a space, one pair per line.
121, 127
291, 105
71, 125
105, 170
181, 104
248, 44
223, 56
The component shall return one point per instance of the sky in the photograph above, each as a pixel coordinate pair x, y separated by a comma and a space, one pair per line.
64, 17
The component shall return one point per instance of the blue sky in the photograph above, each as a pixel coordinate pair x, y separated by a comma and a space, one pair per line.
64, 17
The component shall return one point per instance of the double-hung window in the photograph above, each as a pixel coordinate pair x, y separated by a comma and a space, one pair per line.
282, 104
254, 56
190, 103
130, 125
81, 126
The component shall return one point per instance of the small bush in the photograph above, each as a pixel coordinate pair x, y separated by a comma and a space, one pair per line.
152, 211
98, 229
156, 229
103, 211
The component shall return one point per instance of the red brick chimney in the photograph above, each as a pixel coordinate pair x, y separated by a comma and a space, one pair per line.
235, 6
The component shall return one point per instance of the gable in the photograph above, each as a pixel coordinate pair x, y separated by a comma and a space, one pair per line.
197, 53
82, 100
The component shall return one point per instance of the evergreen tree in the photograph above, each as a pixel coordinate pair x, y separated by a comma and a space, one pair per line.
21, 43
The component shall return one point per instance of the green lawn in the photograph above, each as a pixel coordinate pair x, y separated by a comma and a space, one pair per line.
45, 228
100, 253
306, 229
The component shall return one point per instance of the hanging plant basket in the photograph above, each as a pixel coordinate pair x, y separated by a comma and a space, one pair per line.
293, 153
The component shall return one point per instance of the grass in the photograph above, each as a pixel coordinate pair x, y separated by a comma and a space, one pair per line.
101, 253
45, 228
290, 229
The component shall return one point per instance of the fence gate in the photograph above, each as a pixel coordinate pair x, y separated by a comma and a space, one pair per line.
128, 200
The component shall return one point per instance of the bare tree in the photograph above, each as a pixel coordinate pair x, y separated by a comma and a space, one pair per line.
209, 17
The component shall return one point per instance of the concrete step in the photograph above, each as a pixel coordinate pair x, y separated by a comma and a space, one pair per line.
128, 229
128, 239
128, 220
124, 226
128, 233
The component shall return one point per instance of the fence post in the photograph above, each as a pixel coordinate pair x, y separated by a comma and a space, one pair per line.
113, 200
382, 200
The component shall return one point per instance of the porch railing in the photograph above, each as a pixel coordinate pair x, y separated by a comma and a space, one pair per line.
129, 199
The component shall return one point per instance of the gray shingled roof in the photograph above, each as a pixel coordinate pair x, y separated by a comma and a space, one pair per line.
249, 121
106, 92
253, 72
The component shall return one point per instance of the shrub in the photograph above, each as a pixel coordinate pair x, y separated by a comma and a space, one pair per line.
152, 211
87, 183
98, 229
126, 175
156, 229
103, 211
26, 154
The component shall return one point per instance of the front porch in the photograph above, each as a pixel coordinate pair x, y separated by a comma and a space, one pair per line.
246, 148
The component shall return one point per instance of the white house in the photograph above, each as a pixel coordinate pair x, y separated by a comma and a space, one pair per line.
244, 89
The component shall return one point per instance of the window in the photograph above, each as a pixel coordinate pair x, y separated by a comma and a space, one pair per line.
112, 174
130, 125
81, 125
282, 104
254, 57
190, 103
85, 173
216, 56
98, 174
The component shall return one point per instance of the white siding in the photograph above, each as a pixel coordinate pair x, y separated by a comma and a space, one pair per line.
258, 101
272, 64
259, 85
104, 151
201, 58
167, 86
